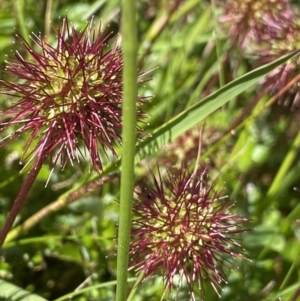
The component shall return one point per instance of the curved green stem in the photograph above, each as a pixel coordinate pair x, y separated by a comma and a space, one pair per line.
129, 40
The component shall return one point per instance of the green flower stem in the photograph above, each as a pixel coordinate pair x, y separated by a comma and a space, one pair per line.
130, 46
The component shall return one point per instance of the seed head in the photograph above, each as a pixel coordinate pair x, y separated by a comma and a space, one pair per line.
182, 227
68, 96
282, 38
245, 19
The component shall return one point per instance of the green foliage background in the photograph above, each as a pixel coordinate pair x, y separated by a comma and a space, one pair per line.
251, 146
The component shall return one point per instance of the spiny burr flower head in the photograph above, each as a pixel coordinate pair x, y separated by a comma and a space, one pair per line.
281, 38
244, 19
182, 228
68, 96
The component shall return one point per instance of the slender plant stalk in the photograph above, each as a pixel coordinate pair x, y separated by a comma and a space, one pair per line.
130, 46
19, 201
289, 273
135, 287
